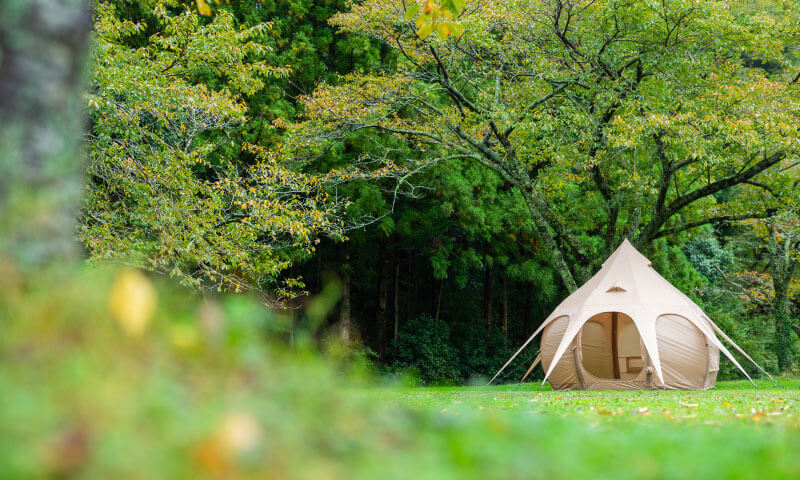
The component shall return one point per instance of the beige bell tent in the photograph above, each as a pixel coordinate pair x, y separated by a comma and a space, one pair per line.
629, 328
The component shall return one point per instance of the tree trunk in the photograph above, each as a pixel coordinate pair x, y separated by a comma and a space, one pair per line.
488, 293
42, 60
410, 290
527, 328
396, 316
344, 308
783, 328
433, 294
381, 314
505, 307
439, 299
549, 241
780, 270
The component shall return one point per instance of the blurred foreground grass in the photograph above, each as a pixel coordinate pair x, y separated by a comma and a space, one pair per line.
101, 376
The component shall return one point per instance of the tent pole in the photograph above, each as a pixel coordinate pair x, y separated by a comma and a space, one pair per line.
530, 339
533, 365
578, 365
614, 346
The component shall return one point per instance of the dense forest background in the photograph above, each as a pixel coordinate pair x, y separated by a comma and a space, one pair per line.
200, 170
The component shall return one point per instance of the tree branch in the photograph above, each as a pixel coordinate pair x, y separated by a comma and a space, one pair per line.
653, 229
715, 220
532, 106
715, 187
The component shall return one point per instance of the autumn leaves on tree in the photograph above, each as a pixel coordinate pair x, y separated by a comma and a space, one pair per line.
623, 120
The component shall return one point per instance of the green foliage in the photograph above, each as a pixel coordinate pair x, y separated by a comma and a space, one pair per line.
709, 258
438, 352
197, 171
423, 346
482, 353
300, 40
671, 263
611, 119
167, 188
431, 17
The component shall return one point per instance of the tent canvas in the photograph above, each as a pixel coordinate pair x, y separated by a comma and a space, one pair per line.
629, 328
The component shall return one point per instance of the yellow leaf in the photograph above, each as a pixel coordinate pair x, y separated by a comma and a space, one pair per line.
425, 30
132, 302
443, 31
203, 7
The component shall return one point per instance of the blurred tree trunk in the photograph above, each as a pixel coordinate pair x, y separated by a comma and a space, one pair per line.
43, 47
344, 308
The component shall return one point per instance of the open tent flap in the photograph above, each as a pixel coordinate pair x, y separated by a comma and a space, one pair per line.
538, 330
737, 347
648, 336
647, 332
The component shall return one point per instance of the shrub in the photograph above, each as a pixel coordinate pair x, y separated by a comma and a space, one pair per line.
423, 346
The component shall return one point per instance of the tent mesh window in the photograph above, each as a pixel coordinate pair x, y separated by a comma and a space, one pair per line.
611, 347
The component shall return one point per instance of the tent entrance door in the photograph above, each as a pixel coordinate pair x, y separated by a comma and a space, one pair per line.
611, 347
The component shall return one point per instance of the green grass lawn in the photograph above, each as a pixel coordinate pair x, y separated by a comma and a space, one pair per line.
520, 431
82, 398
736, 402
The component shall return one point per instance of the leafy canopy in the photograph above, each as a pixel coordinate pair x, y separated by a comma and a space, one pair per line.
172, 186
613, 119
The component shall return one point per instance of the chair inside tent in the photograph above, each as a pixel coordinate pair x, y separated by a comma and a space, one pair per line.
629, 328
